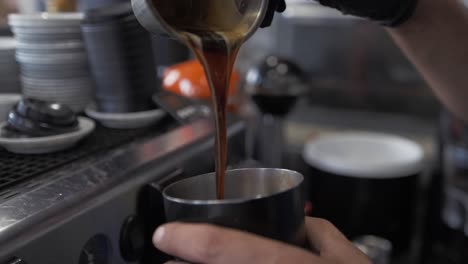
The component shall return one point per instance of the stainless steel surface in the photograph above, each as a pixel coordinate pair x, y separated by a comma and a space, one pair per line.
149, 17
241, 186
69, 192
266, 202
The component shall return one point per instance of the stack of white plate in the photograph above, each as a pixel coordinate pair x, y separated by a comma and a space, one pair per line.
52, 58
9, 81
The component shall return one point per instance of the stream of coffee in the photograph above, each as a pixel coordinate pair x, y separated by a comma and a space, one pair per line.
215, 31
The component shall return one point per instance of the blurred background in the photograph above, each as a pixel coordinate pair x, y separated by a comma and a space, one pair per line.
313, 73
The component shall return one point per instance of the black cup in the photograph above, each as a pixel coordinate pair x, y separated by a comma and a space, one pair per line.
266, 202
93, 4
106, 59
366, 184
121, 59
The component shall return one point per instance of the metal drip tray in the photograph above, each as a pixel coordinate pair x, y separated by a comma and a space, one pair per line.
17, 171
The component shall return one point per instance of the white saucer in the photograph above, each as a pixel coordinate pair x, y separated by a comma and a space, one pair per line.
43, 145
365, 155
125, 120
46, 20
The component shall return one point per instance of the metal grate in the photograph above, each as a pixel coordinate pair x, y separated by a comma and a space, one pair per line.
16, 169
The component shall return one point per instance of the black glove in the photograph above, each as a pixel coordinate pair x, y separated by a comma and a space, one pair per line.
387, 12
273, 6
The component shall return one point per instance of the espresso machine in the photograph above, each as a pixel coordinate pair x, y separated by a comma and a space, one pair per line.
101, 201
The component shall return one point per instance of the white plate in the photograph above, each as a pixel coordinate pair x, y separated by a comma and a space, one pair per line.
53, 59
125, 120
72, 94
72, 66
63, 45
33, 57
48, 37
50, 74
50, 32
42, 145
66, 82
39, 74
45, 20
365, 155
62, 97
51, 49
60, 55
61, 91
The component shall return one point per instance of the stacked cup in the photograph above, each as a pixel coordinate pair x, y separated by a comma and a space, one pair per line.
53, 58
9, 81
121, 59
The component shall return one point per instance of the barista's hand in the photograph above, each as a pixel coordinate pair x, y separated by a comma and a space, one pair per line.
207, 244
387, 12
273, 6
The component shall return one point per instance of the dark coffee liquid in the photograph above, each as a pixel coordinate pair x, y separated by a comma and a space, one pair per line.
219, 61
214, 30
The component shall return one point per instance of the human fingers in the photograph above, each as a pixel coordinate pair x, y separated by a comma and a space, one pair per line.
200, 243
331, 244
